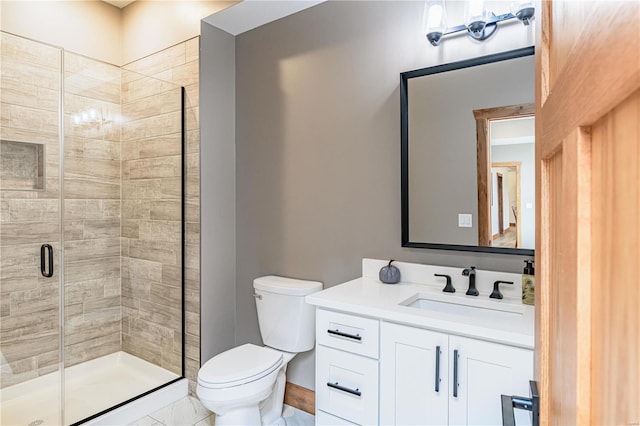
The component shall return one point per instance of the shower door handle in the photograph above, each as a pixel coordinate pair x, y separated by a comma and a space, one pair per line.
43, 266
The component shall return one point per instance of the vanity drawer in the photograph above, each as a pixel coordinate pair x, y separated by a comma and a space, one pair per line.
347, 332
347, 385
326, 419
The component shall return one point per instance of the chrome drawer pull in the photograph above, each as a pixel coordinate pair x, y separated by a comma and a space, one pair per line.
347, 335
343, 389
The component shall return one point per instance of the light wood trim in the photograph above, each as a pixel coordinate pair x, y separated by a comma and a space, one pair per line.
615, 360
544, 176
543, 217
484, 182
581, 95
543, 33
483, 150
576, 189
585, 259
301, 398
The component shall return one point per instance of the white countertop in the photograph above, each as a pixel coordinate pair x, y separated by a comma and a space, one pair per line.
367, 296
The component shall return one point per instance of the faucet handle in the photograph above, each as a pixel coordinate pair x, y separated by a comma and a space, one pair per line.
495, 294
447, 288
469, 270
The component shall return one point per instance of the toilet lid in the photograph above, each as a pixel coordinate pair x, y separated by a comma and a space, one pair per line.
239, 365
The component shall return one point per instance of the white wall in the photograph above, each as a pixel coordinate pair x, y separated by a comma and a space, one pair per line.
90, 28
150, 26
507, 200
102, 31
524, 154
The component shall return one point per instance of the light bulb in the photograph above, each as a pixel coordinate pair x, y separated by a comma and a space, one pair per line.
475, 16
524, 10
434, 20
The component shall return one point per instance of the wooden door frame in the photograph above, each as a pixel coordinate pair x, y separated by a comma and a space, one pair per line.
517, 166
483, 149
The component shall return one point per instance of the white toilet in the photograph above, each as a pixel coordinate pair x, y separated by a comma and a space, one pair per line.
245, 385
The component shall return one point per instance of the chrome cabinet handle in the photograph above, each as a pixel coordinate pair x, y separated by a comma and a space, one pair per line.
43, 267
347, 335
344, 389
437, 368
455, 373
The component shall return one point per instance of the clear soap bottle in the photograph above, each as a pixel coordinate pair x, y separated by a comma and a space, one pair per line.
528, 284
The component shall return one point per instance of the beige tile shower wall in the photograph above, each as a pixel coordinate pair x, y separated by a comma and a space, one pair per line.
29, 95
151, 210
92, 206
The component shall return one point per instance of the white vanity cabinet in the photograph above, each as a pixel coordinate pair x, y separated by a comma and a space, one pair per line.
386, 354
414, 376
472, 376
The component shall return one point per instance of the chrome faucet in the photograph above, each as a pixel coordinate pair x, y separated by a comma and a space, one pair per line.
471, 273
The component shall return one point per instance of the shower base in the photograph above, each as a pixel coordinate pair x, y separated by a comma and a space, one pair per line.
90, 388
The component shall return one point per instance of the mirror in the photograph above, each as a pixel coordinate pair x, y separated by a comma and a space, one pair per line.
468, 169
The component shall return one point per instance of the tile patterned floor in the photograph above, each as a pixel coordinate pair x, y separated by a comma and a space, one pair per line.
188, 411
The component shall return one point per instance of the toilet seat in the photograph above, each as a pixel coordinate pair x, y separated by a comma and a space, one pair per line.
238, 366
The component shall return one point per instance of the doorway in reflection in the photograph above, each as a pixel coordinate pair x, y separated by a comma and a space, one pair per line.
507, 216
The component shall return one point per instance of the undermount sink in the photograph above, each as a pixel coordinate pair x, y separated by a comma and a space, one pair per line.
464, 306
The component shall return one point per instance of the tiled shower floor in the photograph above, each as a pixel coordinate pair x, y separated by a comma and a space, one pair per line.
90, 387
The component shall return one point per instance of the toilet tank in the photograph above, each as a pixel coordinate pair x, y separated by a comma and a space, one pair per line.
286, 322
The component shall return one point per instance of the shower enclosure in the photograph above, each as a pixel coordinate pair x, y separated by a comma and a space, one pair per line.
91, 234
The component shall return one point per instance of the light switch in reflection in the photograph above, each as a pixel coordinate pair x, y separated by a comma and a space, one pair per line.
464, 220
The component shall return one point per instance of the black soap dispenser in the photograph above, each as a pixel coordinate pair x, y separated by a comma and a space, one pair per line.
528, 284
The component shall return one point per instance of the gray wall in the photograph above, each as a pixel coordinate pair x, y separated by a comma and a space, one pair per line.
218, 199
318, 146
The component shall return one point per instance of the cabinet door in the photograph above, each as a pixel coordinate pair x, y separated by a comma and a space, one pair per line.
409, 366
484, 372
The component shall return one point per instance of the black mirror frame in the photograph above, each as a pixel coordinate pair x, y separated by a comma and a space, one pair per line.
404, 144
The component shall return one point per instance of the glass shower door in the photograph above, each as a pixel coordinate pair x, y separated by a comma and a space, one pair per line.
123, 290
91, 234
30, 232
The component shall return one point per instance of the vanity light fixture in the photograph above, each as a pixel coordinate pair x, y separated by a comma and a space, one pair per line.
479, 22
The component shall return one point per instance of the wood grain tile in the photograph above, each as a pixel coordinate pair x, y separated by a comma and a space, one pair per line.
91, 189
31, 52
145, 269
165, 210
150, 168
101, 228
160, 230
90, 269
160, 61
163, 252
187, 74
141, 189
150, 106
192, 49
92, 249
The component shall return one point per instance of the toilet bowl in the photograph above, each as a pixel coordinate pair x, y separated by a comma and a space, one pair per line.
245, 385
234, 383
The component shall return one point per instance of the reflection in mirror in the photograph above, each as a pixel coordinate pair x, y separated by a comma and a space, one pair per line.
468, 155
506, 175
